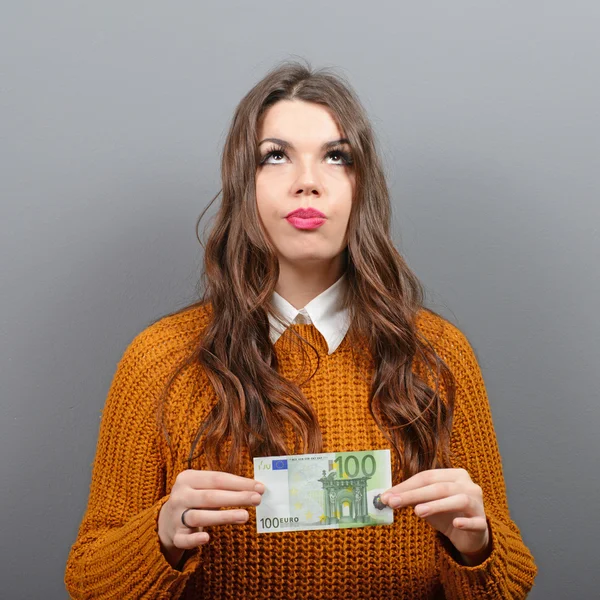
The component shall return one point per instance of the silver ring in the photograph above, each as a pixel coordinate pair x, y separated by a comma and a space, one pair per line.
183, 518
377, 503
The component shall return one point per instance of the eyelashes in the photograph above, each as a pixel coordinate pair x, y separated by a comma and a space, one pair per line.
345, 157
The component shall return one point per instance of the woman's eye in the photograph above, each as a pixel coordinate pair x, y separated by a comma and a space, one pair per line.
340, 158
277, 154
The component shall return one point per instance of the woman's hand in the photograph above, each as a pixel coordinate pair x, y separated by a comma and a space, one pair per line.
205, 492
451, 503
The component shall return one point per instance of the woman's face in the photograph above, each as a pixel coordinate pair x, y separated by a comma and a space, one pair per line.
303, 165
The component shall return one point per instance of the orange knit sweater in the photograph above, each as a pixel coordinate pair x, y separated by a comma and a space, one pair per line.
117, 552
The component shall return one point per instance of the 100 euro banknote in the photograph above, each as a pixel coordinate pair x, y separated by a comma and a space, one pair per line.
332, 490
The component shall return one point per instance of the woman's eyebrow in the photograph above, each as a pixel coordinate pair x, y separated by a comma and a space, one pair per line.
290, 146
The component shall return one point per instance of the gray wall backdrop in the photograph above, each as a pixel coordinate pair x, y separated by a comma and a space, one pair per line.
113, 116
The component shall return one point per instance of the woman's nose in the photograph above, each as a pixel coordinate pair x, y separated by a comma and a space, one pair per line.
307, 182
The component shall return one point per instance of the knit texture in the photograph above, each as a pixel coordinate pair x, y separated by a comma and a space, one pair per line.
117, 552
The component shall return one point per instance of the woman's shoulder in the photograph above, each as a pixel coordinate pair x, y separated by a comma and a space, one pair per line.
182, 325
449, 342
436, 328
169, 337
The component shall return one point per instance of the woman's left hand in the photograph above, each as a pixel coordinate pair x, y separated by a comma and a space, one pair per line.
451, 503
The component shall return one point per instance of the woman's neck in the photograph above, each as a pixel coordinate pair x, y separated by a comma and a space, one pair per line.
300, 285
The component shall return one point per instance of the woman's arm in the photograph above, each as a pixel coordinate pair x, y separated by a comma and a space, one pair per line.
506, 570
117, 553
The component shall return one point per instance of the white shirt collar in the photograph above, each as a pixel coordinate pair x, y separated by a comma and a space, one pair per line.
325, 312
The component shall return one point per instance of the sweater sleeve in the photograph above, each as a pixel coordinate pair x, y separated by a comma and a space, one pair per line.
509, 571
117, 553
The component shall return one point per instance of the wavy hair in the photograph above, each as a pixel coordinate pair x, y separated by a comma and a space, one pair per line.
257, 409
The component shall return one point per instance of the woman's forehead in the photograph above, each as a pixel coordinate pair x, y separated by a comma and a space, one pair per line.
303, 121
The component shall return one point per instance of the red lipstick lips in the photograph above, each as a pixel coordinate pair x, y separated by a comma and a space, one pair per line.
306, 218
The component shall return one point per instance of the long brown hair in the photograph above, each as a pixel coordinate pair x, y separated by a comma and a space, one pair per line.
257, 409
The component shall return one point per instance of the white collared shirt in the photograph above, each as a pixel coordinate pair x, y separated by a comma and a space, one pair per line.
325, 312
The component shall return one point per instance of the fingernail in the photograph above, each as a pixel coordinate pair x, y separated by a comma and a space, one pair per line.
260, 488
395, 501
255, 498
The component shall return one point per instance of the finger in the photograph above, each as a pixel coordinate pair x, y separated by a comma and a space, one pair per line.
220, 498
207, 518
190, 540
427, 478
219, 480
458, 503
470, 524
435, 491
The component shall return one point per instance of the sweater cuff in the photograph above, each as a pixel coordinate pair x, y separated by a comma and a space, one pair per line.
160, 569
486, 580
128, 562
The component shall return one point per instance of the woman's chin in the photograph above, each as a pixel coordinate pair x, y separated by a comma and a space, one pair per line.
307, 260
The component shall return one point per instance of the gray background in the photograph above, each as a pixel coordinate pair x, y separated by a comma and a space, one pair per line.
113, 117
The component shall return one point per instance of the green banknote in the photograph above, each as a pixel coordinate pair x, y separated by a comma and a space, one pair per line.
332, 490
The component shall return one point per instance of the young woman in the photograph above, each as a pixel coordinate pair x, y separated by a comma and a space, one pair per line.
311, 336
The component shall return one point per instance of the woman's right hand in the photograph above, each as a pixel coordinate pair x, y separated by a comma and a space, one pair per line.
203, 491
